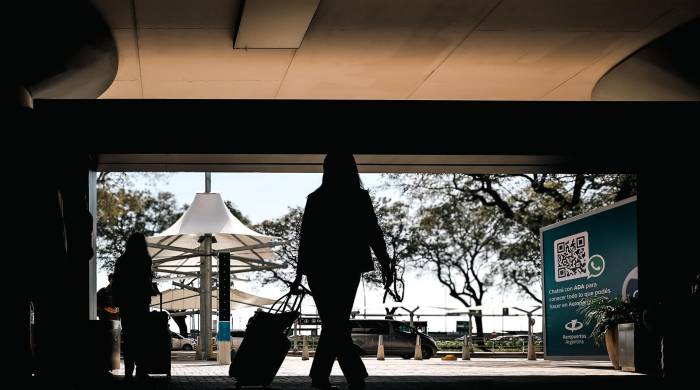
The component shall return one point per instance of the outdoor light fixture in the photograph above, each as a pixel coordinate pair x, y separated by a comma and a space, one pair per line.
274, 24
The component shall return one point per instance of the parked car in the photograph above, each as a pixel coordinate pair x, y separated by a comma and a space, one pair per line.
236, 340
399, 338
180, 342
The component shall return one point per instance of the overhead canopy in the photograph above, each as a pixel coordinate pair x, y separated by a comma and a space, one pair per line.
180, 299
380, 49
177, 249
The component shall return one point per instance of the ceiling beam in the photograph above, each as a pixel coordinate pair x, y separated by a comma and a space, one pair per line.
314, 163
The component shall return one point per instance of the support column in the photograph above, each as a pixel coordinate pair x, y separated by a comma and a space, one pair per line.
92, 264
223, 336
204, 344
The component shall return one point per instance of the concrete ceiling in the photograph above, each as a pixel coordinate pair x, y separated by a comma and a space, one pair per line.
386, 49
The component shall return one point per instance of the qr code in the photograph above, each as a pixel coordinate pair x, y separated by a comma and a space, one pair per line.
571, 257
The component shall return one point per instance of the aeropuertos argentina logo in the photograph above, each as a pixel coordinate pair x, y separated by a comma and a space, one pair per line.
573, 325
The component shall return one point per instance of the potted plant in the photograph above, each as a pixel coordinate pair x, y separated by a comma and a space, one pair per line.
606, 313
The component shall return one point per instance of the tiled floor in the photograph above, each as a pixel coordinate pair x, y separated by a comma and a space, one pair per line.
295, 367
395, 373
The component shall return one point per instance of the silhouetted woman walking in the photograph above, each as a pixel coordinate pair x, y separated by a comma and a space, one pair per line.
338, 228
132, 289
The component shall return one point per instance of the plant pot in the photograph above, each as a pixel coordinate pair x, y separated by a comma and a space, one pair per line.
612, 347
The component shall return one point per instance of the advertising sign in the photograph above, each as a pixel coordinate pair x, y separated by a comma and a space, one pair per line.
590, 255
463, 327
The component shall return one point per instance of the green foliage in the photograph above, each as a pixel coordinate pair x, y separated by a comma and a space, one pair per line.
237, 213
287, 229
606, 312
525, 202
457, 243
395, 220
121, 212
498, 346
450, 345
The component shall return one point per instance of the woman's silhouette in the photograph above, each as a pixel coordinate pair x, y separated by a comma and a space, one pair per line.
132, 289
338, 228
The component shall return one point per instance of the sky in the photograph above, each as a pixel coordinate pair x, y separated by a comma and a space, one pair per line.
263, 196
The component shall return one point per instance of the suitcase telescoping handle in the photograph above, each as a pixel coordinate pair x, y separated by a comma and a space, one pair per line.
296, 304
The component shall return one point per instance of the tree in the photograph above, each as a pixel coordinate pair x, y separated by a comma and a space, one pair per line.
457, 243
528, 201
395, 221
120, 212
287, 229
236, 213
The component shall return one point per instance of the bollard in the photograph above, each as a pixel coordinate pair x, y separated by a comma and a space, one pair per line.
418, 355
530, 343
115, 337
304, 349
465, 349
531, 350
380, 348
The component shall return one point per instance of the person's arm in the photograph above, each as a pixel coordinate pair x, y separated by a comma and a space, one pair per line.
149, 286
302, 252
376, 240
116, 285
154, 289
101, 299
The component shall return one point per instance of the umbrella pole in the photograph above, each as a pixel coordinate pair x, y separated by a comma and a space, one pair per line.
204, 345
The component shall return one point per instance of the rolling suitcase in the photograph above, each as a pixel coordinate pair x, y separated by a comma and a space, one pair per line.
99, 347
265, 343
155, 352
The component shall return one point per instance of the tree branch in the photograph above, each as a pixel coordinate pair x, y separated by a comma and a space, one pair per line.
525, 288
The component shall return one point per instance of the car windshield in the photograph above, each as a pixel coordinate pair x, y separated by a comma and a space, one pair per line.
401, 327
370, 327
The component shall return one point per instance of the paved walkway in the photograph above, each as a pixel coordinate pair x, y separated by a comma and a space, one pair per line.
295, 367
396, 373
